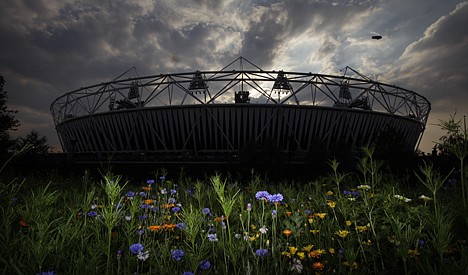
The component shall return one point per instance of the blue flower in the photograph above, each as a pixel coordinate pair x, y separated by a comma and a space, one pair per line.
145, 206
140, 231
150, 182
275, 198
180, 225
175, 209
187, 273
171, 200
136, 248
346, 192
143, 217
173, 191
177, 254
206, 211
261, 252
47, 273
162, 178
130, 194
204, 265
212, 237
92, 214
262, 195
143, 194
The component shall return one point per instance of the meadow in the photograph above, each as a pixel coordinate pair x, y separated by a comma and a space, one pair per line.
365, 222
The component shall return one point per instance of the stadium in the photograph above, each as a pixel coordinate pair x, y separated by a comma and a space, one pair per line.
210, 116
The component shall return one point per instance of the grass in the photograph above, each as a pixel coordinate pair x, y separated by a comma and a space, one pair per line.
360, 222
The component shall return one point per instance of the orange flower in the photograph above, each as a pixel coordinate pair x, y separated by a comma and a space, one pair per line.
22, 223
288, 213
169, 226
154, 227
221, 219
149, 201
147, 188
287, 232
168, 205
318, 266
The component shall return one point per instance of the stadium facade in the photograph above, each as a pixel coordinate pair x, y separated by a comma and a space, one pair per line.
212, 115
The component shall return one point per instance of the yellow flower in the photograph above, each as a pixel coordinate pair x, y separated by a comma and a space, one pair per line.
362, 228
315, 231
352, 266
332, 204
348, 223
311, 220
342, 233
287, 232
286, 253
308, 248
317, 253
413, 253
320, 215
331, 250
329, 193
292, 250
301, 255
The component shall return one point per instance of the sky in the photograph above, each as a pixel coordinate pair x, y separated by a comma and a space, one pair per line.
50, 47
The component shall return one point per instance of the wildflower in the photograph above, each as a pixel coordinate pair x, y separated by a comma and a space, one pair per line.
297, 266
154, 228
346, 192
320, 215
204, 265
171, 200
162, 178
142, 217
47, 273
119, 254
425, 198
314, 231
150, 182
140, 231
175, 209
332, 204
348, 223
261, 252
149, 201
287, 232
143, 256
249, 207
273, 213
342, 233
92, 214
307, 248
301, 255
187, 273
413, 253
163, 191
288, 213
318, 266
329, 193
276, 198
262, 195
206, 211
317, 253
136, 248
173, 191
146, 188
180, 225
237, 236
402, 198
212, 237
362, 228
177, 254
331, 250
263, 230
352, 266
364, 187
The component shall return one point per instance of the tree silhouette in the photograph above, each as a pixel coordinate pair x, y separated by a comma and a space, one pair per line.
8, 122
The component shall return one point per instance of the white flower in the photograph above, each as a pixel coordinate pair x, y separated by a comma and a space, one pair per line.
364, 187
402, 198
263, 230
297, 266
143, 255
425, 198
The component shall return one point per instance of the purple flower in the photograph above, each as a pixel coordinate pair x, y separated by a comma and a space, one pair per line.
143, 194
150, 182
187, 273
273, 213
171, 200
140, 231
261, 252
173, 191
145, 206
130, 194
262, 195
346, 192
175, 209
206, 211
162, 178
177, 254
142, 217
275, 198
249, 207
136, 248
212, 237
204, 265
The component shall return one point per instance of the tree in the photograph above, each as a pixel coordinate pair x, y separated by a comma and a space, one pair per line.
34, 144
8, 122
